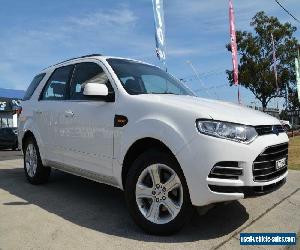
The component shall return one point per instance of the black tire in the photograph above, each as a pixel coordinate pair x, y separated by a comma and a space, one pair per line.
42, 173
142, 162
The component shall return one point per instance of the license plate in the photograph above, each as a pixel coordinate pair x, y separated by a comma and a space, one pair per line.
281, 163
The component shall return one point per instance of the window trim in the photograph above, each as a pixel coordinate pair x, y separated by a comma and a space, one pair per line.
67, 83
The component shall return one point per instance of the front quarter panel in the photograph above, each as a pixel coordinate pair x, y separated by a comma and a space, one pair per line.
155, 120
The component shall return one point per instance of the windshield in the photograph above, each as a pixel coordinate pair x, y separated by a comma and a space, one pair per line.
138, 78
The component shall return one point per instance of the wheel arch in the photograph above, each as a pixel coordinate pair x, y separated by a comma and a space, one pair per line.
137, 148
26, 135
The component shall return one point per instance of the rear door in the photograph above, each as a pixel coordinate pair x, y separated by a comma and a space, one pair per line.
47, 114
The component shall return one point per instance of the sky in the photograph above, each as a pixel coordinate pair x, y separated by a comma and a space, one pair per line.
35, 34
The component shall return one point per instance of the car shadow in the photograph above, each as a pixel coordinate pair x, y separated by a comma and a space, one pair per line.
102, 208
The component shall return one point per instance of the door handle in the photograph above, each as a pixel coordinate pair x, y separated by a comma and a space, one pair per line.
69, 113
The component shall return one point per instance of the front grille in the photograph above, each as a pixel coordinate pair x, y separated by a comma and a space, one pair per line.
264, 166
269, 129
226, 170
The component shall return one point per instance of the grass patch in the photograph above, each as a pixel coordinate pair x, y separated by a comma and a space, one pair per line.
294, 153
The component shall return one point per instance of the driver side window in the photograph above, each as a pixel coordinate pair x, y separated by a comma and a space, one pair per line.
84, 73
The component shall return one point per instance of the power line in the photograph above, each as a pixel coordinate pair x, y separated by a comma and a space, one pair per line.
213, 87
203, 75
295, 18
198, 77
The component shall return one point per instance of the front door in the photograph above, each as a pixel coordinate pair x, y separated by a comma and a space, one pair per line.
87, 123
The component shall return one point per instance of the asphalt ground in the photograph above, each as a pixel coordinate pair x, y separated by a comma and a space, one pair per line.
70, 212
8, 154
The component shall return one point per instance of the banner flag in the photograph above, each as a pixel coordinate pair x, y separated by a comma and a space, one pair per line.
233, 44
158, 9
274, 62
297, 64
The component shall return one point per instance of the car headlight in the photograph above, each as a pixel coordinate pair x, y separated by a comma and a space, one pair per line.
227, 130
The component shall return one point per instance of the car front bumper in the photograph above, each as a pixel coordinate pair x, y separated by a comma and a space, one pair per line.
199, 156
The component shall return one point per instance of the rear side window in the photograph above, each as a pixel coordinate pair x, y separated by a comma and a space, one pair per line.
56, 86
33, 85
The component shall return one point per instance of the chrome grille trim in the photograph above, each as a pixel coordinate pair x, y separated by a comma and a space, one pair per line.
264, 166
226, 170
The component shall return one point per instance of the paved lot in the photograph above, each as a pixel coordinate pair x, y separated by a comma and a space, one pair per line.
73, 213
8, 154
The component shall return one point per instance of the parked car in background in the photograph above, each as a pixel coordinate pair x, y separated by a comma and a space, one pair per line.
9, 138
134, 126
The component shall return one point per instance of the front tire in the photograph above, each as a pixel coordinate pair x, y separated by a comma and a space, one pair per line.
35, 172
157, 194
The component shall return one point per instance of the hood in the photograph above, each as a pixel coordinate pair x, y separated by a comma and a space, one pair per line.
217, 110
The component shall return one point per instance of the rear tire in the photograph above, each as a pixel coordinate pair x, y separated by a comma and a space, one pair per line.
35, 172
162, 206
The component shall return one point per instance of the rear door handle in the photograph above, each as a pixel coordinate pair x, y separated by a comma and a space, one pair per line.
69, 113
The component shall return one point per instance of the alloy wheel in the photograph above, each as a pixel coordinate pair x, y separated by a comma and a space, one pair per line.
159, 193
31, 160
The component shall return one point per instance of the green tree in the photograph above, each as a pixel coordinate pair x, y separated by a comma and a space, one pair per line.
256, 58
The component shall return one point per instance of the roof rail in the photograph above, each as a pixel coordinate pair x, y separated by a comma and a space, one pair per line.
90, 55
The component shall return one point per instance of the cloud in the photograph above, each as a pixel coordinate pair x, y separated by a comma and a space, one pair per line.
25, 51
196, 30
117, 17
10, 77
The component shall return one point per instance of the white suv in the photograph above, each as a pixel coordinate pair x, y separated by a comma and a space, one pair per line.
134, 126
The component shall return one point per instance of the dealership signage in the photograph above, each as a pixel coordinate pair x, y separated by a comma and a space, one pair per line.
9, 104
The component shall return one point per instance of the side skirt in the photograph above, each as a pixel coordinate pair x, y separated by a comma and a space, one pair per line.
84, 173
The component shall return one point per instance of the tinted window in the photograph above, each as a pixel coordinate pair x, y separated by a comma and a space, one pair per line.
33, 85
138, 78
86, 73
56, 86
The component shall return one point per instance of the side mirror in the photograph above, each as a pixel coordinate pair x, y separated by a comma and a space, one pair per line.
95, 89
